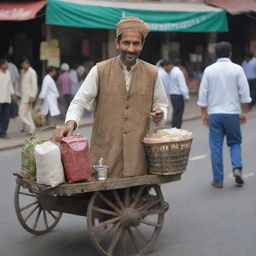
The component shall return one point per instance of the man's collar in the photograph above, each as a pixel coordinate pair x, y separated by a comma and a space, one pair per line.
223, 60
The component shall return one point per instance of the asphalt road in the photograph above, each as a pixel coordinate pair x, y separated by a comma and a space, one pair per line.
202, 220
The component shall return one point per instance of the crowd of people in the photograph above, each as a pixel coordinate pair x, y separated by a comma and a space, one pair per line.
19, 92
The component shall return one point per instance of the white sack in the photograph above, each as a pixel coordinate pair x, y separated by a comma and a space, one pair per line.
49, 169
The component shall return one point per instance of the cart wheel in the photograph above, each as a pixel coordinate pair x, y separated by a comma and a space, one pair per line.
31, 215
126, 221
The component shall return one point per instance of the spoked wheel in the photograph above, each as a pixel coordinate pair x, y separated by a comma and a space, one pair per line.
31, 215
126, 221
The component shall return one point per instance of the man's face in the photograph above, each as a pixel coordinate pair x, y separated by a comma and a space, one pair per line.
130, 47
168, 68
25, 65
4, 66
53, 73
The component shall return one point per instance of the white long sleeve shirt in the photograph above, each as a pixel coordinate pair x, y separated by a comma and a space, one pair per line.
15, 77
178, 84
28, 84
165, 78
50, 94
6, 88
223, 87
85, 97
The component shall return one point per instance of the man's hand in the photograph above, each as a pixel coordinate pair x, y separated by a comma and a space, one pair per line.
157, 114
41, 101
243, 118
14, 98
63, 131
31, 100
204, 119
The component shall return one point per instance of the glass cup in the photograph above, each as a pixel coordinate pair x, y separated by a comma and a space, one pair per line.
101, 172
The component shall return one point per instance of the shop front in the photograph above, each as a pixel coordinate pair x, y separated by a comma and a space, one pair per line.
21, 25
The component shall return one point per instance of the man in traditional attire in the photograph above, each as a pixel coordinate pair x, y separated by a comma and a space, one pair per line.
126, 93
29, 90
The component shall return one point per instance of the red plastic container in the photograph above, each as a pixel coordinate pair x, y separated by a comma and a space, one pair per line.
75, 158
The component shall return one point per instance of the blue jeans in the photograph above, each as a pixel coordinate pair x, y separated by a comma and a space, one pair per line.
221, 125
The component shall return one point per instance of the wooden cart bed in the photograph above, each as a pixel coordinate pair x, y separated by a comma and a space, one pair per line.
95, 185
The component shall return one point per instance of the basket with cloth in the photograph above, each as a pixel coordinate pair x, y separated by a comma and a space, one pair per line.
168, 151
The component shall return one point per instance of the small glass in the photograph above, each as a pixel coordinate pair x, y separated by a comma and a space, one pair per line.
101, 172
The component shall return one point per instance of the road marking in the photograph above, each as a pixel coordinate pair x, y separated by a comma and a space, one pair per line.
197, 157
245, 175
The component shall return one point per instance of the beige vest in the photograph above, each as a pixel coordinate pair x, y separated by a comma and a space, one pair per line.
122, 118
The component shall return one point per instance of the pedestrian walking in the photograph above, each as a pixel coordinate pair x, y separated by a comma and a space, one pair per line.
81, 75
49, 97
249, 66
125, 91
223, 88
29, 89
65, 88
15, 77
74, 79
7, 95
178, 91
165, 67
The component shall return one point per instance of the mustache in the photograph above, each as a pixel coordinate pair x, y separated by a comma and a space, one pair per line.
127, 52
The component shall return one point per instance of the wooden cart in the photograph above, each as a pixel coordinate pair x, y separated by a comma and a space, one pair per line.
124, 216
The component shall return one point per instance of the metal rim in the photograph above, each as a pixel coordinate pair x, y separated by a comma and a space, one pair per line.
125, 221
31, 215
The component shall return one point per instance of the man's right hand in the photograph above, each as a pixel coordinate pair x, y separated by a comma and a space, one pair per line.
63, 131
243, 118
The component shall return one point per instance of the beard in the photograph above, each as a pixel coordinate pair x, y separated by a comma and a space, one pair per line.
129, 57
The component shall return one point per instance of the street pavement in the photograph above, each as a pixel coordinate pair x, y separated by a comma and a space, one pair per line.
202, 220
16, 138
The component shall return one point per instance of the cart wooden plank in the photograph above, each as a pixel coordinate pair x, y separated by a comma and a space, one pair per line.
95, 185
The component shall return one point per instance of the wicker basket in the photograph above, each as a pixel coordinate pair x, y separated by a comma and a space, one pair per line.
169, 157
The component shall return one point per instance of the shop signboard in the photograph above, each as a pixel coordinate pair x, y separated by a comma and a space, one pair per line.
160, 17
20, 10
50, 52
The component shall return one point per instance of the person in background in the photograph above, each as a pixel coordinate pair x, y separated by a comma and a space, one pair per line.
64, 84
249, 66
15, 76
165, 67
74, 80
223, 89
6, 96
178, 91
81, 74
177, 62
29, 89
49, 97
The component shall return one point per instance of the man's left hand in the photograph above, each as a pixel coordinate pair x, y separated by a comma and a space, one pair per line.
157, 114
31, 100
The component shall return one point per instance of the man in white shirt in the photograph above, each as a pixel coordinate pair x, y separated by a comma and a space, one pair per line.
29, 90
126, 92
15, 77
223, 88
165, 67
6, 96
178, 91
249, 66
49, 96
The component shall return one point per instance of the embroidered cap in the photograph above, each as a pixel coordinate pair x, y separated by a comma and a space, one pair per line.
132, 24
